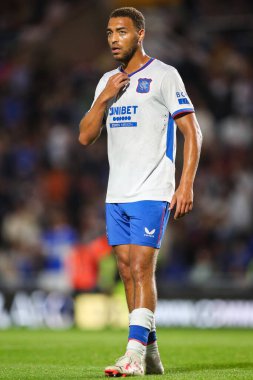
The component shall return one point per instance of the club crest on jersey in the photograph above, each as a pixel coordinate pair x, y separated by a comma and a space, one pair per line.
143, 85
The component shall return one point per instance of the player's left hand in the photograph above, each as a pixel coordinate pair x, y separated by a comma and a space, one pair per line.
183, 200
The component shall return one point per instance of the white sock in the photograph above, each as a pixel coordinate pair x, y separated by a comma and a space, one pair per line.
152, 348
140, 325
129, 318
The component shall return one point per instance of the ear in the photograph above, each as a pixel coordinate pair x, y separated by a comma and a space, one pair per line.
141, 34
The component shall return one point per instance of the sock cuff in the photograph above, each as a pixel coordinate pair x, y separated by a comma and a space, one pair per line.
129, 318
139, 334
152, 337
153, 326
142, 317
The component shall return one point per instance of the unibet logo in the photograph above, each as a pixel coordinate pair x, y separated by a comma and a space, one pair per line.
124, 110
149, 233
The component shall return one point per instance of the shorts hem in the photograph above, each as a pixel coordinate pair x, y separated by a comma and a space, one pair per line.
146, 244
142, 244
112, 244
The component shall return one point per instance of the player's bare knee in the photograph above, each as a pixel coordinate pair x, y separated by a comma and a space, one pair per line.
124, 271
141, 272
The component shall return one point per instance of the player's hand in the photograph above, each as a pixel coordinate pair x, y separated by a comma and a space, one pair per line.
183, 200
114, 85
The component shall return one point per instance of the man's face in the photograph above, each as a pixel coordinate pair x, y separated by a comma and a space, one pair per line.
123, 38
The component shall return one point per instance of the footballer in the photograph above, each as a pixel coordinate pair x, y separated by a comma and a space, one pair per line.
141, 102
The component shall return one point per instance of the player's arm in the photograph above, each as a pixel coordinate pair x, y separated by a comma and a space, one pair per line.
183, 197
91, 124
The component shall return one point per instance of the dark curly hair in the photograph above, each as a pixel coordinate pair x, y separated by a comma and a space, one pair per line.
133, 13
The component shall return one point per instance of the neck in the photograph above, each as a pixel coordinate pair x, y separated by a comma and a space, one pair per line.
136, 62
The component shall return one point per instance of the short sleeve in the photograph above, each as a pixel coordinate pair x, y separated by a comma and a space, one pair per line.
174, 94
100, 86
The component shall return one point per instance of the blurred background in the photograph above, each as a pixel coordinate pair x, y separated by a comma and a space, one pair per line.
52, 239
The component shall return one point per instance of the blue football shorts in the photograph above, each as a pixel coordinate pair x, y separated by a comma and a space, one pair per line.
141, 223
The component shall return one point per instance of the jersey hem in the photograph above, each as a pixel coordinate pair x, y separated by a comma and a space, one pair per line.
144, 197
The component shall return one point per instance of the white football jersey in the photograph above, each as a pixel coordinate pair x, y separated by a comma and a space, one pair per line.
142, 133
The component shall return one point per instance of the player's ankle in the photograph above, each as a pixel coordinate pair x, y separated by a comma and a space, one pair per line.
136, 352
139, 329
136, 347
152, 348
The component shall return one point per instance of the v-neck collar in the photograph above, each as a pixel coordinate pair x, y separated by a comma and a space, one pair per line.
141, 68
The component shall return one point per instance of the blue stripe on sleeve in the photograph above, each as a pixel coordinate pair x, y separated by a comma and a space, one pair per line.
170, 138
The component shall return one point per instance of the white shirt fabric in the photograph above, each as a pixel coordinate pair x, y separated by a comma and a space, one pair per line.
142, 133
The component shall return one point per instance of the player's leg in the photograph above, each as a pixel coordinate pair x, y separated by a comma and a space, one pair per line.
153, 363
137, 267
142, 267
122, 254
143, 264
142, 318
118, 232
132, 363
148, 222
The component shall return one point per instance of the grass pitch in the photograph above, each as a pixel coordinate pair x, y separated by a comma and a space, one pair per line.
186, 354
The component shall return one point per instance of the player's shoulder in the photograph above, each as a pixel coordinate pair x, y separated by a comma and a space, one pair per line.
164, 68
109, 74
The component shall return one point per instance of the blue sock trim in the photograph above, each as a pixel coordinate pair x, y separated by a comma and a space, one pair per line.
152, 337
139, 333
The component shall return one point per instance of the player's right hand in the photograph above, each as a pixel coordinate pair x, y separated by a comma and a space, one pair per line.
114, 85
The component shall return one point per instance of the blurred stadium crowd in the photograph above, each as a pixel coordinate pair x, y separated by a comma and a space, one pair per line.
52, 189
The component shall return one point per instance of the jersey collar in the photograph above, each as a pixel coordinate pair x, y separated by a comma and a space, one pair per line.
141, 68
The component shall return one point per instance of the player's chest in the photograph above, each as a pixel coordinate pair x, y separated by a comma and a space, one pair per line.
139, 93
133, 102
140, 88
